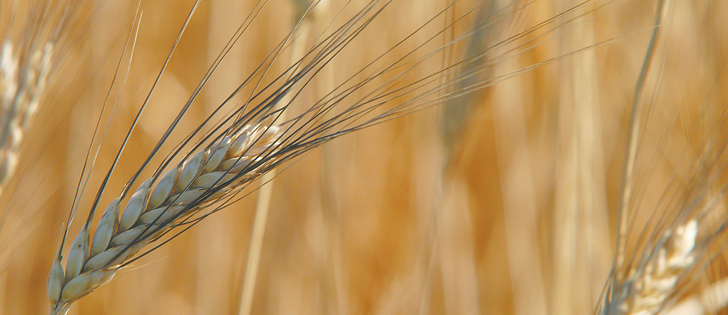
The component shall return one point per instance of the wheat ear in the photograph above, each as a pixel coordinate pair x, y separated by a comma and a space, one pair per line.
21, 83
157, 205
651, 287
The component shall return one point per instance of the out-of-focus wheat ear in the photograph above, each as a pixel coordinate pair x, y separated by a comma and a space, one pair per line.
650, 288
710, 300
8, 88
36, 77
21, 88
8, 72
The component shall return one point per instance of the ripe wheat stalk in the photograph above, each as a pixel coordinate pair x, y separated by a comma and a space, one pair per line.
323, 251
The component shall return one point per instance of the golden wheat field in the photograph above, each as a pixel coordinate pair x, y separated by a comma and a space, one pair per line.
505, 170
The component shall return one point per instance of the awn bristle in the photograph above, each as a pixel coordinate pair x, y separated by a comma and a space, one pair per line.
157, 205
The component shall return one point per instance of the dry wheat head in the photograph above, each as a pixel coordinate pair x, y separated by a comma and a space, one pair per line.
157, 205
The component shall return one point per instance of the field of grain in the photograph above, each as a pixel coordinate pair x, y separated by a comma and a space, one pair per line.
503, 200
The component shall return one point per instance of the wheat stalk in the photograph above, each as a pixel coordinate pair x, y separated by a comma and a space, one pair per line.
154, 208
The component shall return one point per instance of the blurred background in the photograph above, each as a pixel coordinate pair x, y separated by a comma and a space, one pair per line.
499, 201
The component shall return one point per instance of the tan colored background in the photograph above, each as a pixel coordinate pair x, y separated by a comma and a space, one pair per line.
513, 215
